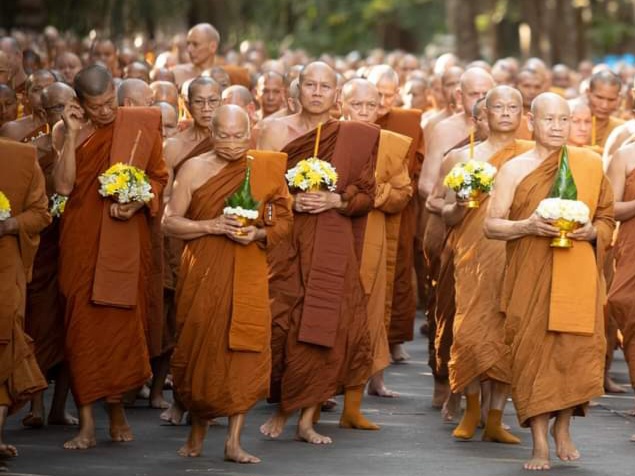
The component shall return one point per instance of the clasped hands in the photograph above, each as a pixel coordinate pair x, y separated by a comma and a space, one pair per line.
316, 202
540, 227
234, 230
124, 211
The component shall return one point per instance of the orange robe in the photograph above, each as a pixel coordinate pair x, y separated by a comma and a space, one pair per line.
603, 131
222, 361
523, 131
106, 306
553, 371
621, 300
478, 347
44, 311
22, 182
393, 193
406, 122
320, 340
238, 75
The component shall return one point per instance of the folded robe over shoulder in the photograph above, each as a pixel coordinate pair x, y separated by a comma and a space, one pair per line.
222, 361
320, 336
22, 183
552, 371
102, 258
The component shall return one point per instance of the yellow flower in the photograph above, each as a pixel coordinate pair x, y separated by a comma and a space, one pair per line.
5, 207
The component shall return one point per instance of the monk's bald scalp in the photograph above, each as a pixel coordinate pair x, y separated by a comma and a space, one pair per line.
5, 90
294, 89
357, 85
238, 93
39, 74
200, 82
165, 107
474, 74
207, 29
605, 76
544, 99
130, 87
230, 112
383, 72
577, 104
57, 92
11, 45
318, 65
451, 73
92, 80
502, 90
271, 74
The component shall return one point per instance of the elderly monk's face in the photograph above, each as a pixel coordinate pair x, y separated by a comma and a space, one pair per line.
69, 65
504, 112
551, 123
8, 107
35, 91
604, 100
271, 93
388, 91
361, 104
581, 124
231, 137
204, 101
318, 90
101, 109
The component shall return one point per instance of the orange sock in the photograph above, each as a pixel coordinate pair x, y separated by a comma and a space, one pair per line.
495, 432
471, 418
351, 414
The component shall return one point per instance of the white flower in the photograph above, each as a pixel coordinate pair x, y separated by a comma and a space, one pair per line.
241, 212
571, 210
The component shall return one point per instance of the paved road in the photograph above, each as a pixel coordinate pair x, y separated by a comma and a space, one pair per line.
412, 442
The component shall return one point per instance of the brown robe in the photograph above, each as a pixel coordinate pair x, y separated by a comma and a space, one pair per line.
212, 374
393, 192
406, 122
553, 371
320, 341
106, 317
621, 300
238, 75
44, 312
22, 182
478, 348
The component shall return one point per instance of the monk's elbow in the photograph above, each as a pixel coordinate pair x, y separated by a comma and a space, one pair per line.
487, 229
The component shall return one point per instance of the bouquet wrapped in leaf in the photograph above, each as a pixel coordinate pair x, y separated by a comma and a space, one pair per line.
58, 204
241, 204
125, 183
562, 208
5, 207
469, 179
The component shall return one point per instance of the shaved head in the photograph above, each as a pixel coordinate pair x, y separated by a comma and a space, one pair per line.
230, 113
165, 91
54, 97
134, 92
202, 42
547, 101
318, 66
360, 100
219, 75
162, 74
550, 119
138, 70
381, 73
93, 80
207, 31
238, 95
504, 107
231, 132
41, 76
318, 88
201, 82
502, 91
476, 75
358, 86
169, 118
69, 65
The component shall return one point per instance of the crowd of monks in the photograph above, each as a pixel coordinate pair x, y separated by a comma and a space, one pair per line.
317, 296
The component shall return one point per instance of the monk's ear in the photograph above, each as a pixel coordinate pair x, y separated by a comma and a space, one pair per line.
530, 122
458, 96
214, 47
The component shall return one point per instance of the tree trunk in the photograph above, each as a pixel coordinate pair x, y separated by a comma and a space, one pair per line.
461, 15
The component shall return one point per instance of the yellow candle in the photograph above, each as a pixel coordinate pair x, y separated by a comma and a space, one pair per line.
317, 140
472, 143
593, 130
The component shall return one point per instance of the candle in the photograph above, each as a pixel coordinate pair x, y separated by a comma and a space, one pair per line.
593, 132
472, 143
317, 140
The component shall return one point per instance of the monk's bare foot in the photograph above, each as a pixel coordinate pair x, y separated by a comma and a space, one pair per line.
329, 405
8, 451
236, 454
440, 394
80, 442
120, 431
173, 415
194, 445
144, 392
538, 464
610, 386
451, 407
65, 419
382, 391
565, 449
398, 353
309, 435
159, 403
33, 420
191, 449
274, 426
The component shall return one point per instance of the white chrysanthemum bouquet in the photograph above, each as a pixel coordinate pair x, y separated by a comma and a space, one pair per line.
469, 179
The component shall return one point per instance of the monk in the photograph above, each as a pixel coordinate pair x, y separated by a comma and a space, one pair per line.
241, 96
552, 298
69, 65
406, 122
603, 96
134, 93
104, 51
22, 183
292, 105
165, 91
445, 135
225, 321
620, 299
105, 314
270, 93
17, 76
478, 351
581, 123
619, 135
360, 102
320, 341
8, 105
169, 119
44, 321
139, 70
530, 83
29, 127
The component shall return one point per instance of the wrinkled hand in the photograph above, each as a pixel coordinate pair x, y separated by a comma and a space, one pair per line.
8, 227
73, 117
224, 225
249, 235
317, 202
124, 211
538, 226
584, 233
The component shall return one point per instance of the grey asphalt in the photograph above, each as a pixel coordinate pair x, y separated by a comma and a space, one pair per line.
413, 441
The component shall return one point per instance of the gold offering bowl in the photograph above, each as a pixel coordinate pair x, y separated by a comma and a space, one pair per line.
244, 222
315, 188
473, 197
565, 226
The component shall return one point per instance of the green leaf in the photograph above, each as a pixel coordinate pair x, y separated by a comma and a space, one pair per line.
564, 185
242, 197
